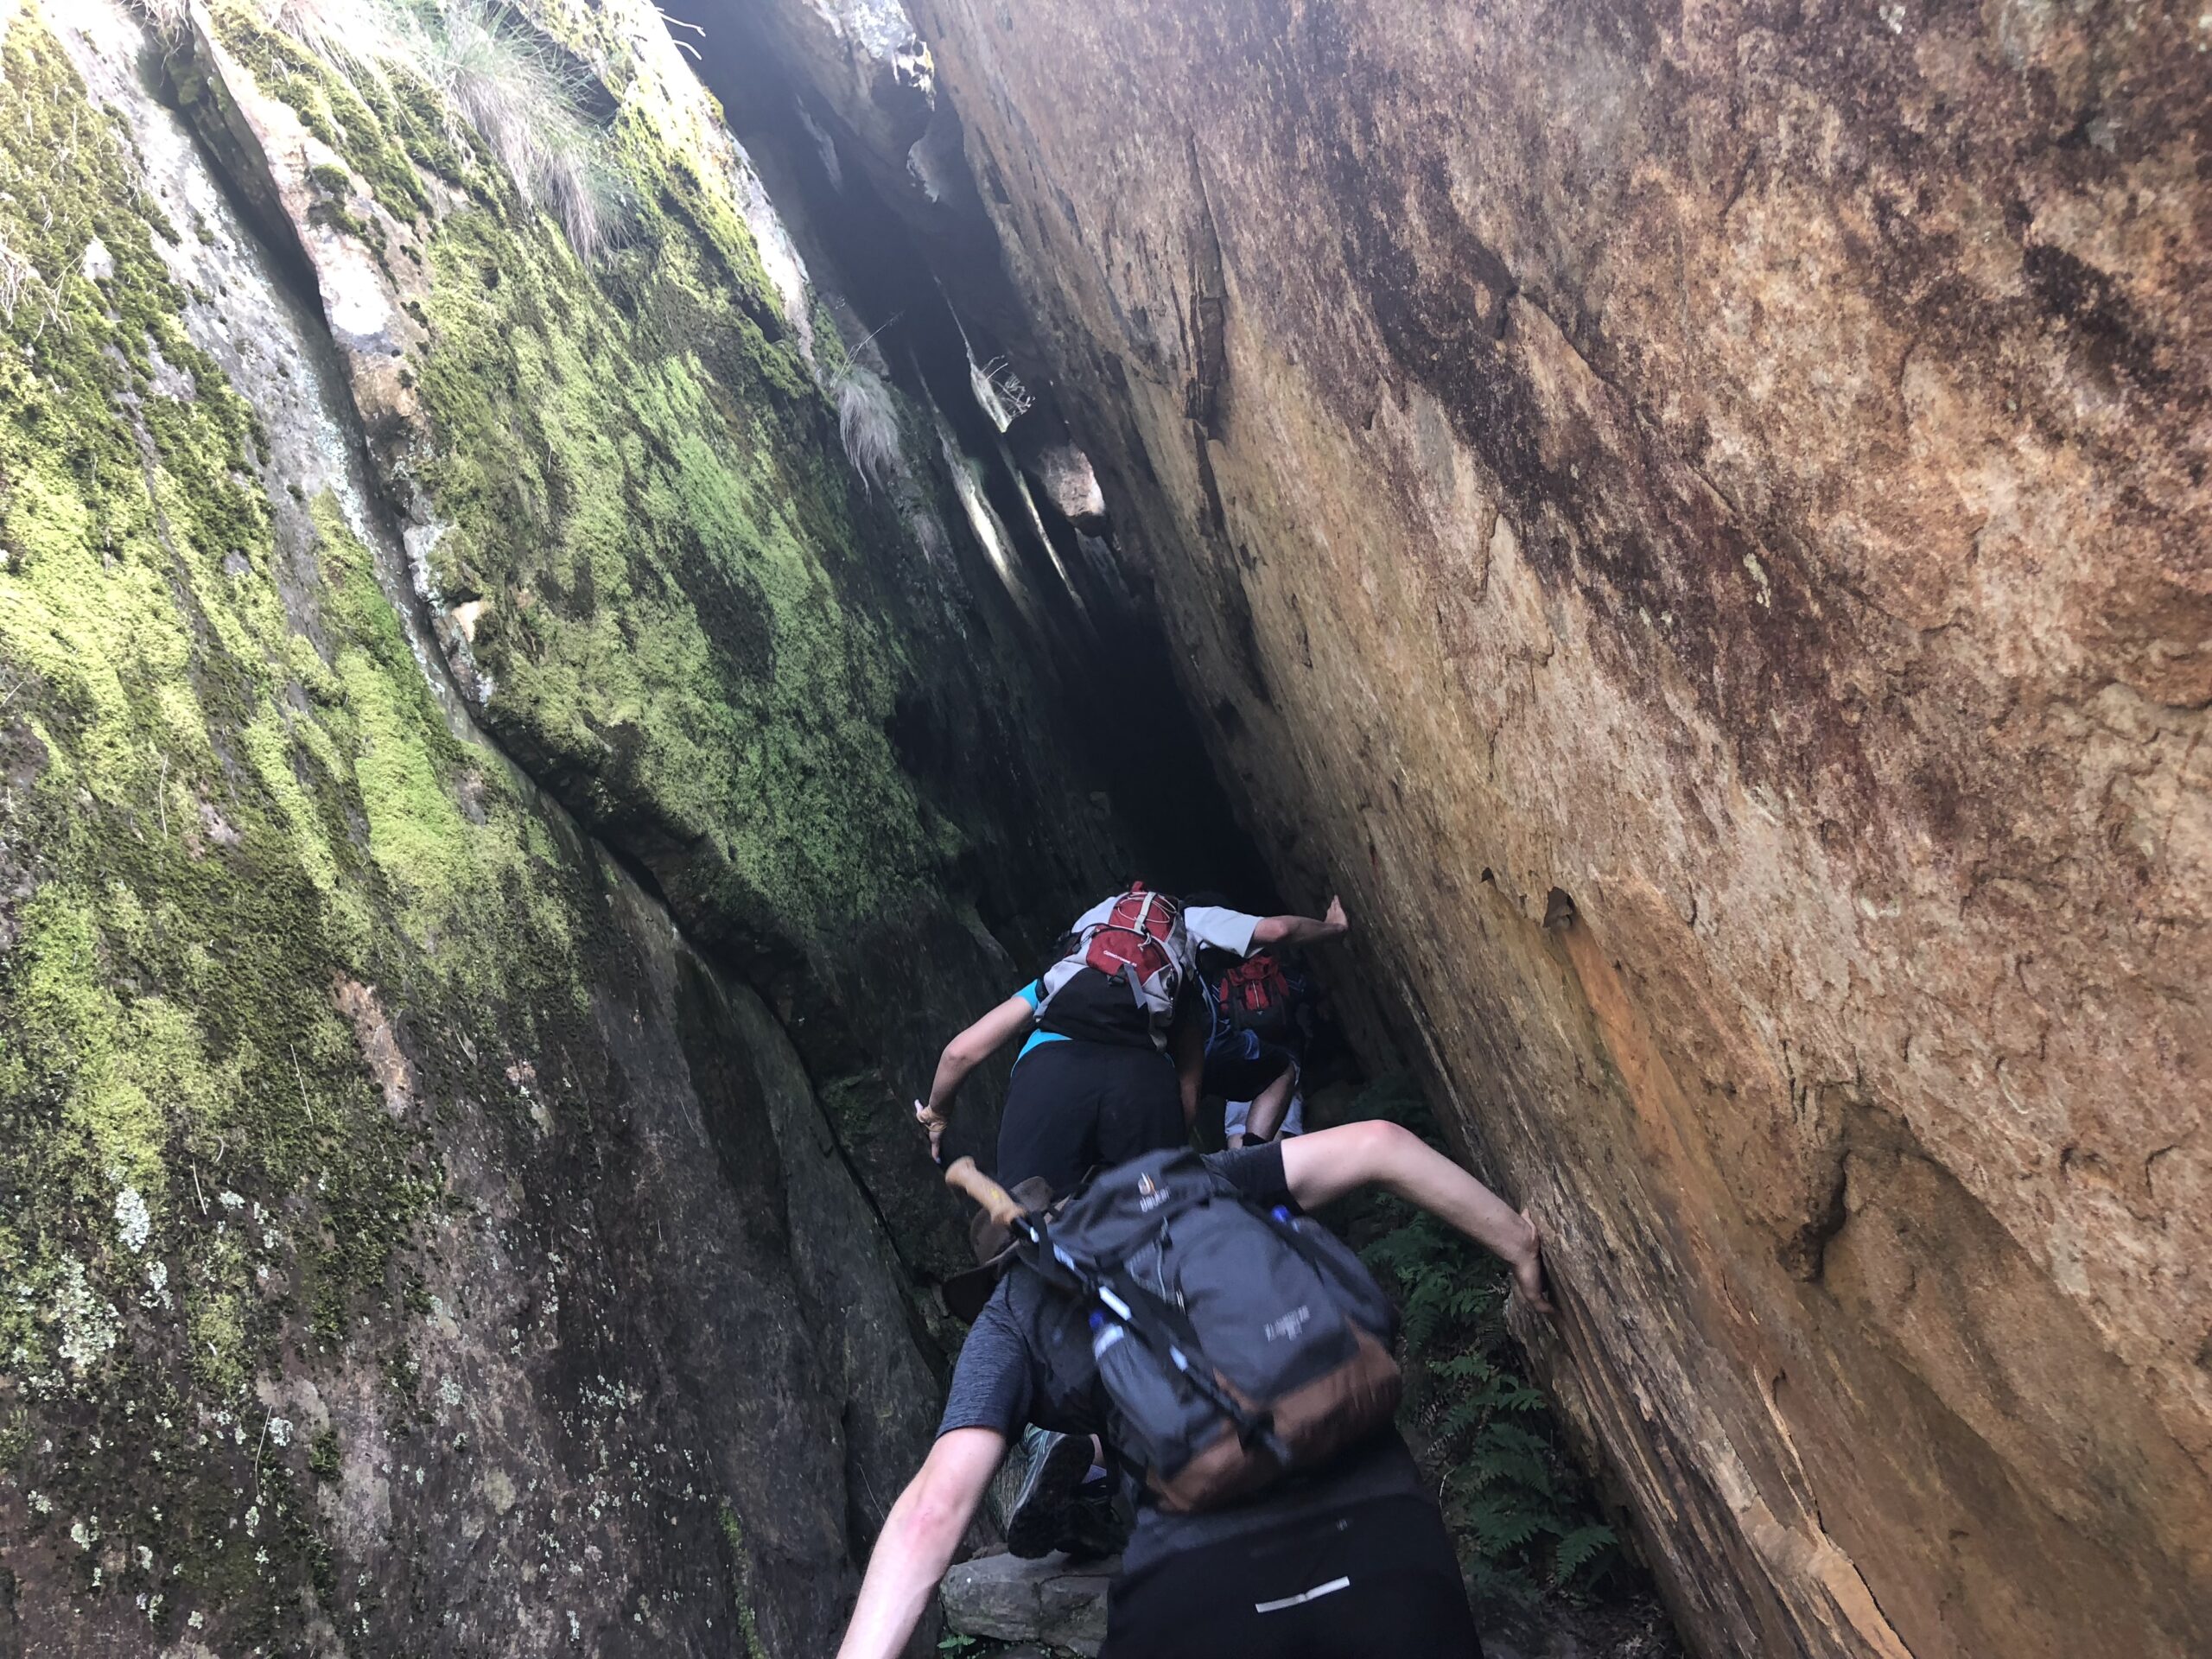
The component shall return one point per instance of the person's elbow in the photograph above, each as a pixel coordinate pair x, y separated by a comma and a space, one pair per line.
940, 1504
971, 1048
937, 1519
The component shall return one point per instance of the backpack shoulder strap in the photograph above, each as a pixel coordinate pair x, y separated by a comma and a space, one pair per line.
1167, 1330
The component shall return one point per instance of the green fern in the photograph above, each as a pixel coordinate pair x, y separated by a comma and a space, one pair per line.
1523, 1519
1578, 1548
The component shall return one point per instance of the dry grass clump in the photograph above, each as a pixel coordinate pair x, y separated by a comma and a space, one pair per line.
168, 17
361, 29
524, 100
510, 94
867, 420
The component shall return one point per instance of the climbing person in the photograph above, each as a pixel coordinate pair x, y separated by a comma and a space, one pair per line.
1282, 1513
1111, 1069
1114, 1049
1259, 1020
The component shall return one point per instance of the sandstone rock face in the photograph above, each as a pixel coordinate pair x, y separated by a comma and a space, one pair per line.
1697, 519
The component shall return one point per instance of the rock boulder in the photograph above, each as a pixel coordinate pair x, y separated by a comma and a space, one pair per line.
1054, 1601
1696, 519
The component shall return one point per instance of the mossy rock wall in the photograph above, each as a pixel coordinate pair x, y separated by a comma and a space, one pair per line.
653, 570
408, 1244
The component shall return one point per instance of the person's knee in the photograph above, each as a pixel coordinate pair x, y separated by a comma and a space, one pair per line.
1375, 1144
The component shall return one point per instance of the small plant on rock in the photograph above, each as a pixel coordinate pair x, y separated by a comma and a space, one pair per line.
362, 30
524, 101
867, 420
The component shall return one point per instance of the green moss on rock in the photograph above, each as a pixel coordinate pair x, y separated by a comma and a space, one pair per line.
373, 116
639, 491
639, 484
215, 817
741, 1572
660, 620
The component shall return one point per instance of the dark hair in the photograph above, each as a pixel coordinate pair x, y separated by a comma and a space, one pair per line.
1211, 901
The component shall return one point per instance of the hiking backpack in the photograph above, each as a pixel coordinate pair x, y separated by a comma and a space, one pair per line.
1142, 942
1255, 995
1236, 1345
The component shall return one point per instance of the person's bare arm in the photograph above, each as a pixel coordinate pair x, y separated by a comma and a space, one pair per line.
962, 1055
1329, 1163
1301, 930
920, 1534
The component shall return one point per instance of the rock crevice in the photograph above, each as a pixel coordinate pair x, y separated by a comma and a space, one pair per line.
1745, 473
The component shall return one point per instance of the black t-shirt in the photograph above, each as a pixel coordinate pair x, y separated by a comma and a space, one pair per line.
1027, 1360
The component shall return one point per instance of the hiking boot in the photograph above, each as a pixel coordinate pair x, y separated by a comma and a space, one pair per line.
1096, 1528
1038, 1522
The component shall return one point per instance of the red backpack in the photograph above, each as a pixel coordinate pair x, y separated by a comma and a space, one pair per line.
1254, 995
1140, 933
1140, 948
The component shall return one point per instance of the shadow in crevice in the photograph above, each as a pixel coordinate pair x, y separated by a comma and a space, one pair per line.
931, 291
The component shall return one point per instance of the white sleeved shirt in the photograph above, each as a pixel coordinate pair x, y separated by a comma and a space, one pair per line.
1207, 925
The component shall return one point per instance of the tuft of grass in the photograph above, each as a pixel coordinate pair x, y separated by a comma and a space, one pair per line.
361, 29
17, 275
867, 420
590, 197
524, 100
169, 17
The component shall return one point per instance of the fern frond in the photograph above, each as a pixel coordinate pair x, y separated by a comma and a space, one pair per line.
1578, 1548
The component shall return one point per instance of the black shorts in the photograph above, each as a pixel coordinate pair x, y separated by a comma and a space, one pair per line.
1376, 1578
1071, 1106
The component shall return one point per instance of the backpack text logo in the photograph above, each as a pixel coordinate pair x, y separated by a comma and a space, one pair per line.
1287, 1328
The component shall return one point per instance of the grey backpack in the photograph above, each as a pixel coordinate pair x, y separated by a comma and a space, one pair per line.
1236, 1345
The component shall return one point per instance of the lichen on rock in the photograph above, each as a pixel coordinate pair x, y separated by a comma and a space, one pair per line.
344, 1083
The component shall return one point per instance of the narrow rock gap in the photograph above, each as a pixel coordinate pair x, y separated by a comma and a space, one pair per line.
916, 291
548, 661
898, 276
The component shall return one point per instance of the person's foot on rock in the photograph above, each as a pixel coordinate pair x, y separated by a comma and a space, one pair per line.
1039, 1519
1096, 1529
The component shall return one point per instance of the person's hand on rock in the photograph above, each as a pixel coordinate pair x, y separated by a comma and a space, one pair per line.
934, 1121
1529, 1269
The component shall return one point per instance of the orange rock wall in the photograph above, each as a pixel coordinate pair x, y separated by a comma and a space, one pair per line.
1695, 518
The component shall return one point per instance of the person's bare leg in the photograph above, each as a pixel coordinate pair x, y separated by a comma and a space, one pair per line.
1269, 1105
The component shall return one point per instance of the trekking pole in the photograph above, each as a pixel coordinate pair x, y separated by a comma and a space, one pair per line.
964, 1177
